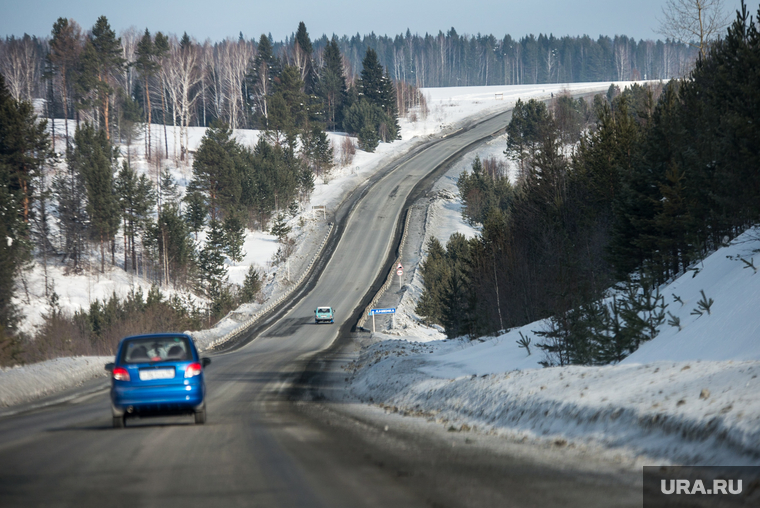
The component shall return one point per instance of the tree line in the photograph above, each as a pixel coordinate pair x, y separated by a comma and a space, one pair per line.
626, 192
141, 79
453, 59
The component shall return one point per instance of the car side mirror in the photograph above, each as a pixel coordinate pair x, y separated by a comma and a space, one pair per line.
109, 366
205, 361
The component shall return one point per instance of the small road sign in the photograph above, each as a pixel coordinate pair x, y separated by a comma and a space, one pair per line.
373, 312
399, 272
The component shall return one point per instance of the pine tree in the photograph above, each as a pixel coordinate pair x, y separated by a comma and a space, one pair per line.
102, 60
303, 56
435, 275
371, 84
130, 118
65, 47
251, 285
234, 236
136, 199
332, 84
23, 149
169, 192
213, 271
291, 88
195, 211
171, 241
280, 228
317, 150
377, 89
261, 77
214, 170
93, 157
389, 130
147, 67
368, 138
161, 52
71, 196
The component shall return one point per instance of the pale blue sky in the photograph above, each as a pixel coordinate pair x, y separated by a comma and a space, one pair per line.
217, 19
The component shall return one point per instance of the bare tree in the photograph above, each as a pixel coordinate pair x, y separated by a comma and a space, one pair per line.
240, 53
129, 39
231, 59
693, 20
19, 63
182, 73
622, 58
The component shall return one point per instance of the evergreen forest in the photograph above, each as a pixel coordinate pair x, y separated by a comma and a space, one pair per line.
613, 198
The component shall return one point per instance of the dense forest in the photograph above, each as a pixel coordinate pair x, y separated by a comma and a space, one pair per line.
451, 59
626, 192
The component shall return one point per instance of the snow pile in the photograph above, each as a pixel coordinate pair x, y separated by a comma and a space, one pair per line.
22, 384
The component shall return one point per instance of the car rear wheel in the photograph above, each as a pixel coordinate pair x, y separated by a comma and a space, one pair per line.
200, 417
119, 422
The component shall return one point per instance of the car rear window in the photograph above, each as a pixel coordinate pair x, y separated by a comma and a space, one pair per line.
323, 309
156, 349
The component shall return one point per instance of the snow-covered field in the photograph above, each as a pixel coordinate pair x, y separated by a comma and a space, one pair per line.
450, 109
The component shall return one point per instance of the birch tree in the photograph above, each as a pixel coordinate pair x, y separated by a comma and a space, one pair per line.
693, 20
19, 64
183, 73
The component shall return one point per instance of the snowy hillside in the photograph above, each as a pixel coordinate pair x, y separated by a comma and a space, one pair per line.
688, 396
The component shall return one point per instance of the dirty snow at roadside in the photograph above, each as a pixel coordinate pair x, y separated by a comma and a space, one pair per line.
22, 384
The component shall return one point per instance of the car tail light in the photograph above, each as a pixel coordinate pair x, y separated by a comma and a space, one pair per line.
120, 374
192, 370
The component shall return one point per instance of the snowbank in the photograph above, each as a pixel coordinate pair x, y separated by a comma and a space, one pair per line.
23, 384
680, 412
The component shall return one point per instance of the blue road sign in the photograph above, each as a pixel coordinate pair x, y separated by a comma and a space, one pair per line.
383, 311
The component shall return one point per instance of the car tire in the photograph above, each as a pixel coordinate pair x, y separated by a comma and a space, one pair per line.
119, 422
200, 416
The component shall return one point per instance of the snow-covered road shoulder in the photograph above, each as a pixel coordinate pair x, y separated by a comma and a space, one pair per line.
670, 412
31, 382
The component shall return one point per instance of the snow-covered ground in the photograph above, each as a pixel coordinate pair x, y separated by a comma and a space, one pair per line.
30, 382
449, 110
690, 396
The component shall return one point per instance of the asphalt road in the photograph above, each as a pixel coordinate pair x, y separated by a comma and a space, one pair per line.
259, 449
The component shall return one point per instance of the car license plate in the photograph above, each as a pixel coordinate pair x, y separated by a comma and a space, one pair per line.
148, 375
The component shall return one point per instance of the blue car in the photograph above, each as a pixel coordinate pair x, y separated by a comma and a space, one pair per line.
159, 374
